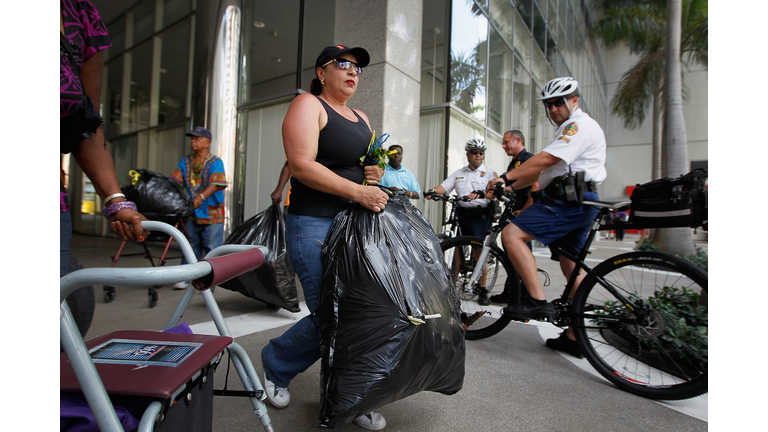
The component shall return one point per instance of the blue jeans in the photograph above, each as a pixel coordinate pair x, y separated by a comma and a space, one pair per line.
203, 237
298, 348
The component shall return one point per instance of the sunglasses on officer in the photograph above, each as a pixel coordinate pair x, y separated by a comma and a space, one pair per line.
557, 103
344, 64
476, 152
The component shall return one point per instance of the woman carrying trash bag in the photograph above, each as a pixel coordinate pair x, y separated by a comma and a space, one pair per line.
323, 140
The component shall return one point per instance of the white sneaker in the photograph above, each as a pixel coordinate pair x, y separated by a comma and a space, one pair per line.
181, 285
371, 421
277, 396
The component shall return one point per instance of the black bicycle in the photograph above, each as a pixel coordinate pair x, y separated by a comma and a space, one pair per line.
641, 318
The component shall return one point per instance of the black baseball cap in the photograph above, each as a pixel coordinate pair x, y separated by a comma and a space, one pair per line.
331, 52
200, 131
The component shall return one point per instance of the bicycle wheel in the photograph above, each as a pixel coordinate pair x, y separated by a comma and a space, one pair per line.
460, 260
658, 349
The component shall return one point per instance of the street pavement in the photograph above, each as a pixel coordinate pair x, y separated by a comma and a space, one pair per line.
512, 382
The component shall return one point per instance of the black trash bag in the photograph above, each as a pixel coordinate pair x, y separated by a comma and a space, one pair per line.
379, 270
274, 282
159, 194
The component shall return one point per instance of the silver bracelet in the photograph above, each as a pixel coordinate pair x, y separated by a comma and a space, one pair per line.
111, 197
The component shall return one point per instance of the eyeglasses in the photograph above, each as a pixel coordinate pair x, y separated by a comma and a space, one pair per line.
476, 152
343, 64
558, 103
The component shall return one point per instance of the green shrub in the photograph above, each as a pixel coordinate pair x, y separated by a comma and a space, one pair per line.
700, 258
685, 325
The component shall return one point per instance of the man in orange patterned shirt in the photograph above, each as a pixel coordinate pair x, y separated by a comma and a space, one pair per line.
202, 175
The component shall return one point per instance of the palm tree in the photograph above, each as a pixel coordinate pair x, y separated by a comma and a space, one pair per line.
661, 32
641, 25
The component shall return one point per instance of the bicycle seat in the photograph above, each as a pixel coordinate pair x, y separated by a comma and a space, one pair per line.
619, 205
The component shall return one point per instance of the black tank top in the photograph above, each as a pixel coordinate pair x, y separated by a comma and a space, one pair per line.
339, 148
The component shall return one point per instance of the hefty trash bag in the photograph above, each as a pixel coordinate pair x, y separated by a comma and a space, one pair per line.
157, 193
389, 320
274, 282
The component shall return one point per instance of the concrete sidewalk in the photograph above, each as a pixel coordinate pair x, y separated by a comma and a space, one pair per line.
512, 383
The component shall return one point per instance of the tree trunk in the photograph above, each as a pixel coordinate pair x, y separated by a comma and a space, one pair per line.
675, 144
658, 110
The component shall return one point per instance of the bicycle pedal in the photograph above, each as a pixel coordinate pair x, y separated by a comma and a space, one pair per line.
472, 319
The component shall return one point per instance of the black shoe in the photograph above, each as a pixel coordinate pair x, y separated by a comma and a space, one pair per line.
500, 298
562, 343
528, 310
482, 296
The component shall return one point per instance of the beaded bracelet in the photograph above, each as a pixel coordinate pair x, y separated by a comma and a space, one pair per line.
116, 207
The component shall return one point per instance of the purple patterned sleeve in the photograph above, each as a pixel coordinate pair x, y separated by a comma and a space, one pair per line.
87, 35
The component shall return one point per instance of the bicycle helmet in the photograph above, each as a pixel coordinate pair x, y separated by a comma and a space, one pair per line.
475, 144
560, 87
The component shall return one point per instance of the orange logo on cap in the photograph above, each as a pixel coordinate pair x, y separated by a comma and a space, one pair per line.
341, 47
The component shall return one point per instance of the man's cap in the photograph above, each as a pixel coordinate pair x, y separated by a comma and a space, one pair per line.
331, 52
200, 131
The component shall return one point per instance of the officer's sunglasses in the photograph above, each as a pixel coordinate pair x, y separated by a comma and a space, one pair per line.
558, 103
476, 152
343, 64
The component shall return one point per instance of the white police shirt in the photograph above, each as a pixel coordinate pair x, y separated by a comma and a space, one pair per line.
580, 143
466, 180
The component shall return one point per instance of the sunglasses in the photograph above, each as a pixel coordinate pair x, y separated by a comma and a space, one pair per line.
343, 64
476, 152
558, 103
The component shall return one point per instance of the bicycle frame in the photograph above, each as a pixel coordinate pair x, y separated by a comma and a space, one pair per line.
580, 259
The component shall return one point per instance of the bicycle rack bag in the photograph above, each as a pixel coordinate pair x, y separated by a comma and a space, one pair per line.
389, 322
668, 203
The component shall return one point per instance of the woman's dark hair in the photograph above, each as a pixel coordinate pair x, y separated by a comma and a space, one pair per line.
315, 87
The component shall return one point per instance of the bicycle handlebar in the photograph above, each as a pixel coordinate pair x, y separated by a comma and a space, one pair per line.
446, 198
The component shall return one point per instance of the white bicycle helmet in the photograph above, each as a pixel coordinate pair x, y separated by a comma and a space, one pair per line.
475, 144
559, 87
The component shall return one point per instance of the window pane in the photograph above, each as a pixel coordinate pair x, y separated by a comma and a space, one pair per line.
174, 73
117, 35
124, 155
499, 84
111, 105
141, 75
174, 10
522, 41
538, 139
271, 38
503, 16
143, 20
552, 14
433, 53
525, 7
468, 60
319, 19
539, 64
539, 28
521, 100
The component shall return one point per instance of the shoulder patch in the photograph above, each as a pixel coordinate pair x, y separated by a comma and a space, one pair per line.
571, 129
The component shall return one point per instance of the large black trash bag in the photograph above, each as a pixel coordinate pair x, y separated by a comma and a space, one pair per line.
379, 270
274, 282
159, 194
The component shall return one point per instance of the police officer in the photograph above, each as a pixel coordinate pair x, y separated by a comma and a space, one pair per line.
513, 143
474, 216
577, 146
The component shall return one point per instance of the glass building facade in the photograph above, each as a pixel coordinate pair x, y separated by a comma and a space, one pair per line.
483, 65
